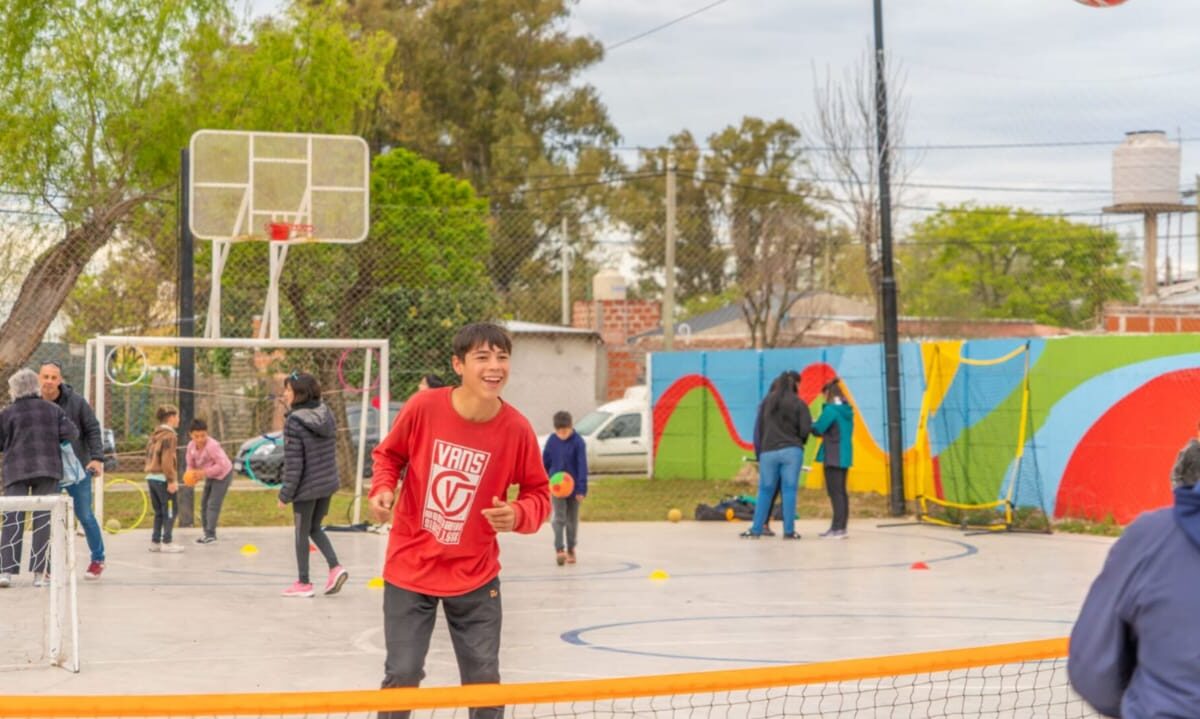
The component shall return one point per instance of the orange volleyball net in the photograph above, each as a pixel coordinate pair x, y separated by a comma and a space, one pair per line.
1025, 679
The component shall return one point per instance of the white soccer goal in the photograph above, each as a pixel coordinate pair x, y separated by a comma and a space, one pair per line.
24, 608
243, 392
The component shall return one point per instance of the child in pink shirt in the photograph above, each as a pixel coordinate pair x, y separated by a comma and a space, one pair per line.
204, 454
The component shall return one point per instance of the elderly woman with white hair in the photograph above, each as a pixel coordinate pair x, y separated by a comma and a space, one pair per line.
30, 432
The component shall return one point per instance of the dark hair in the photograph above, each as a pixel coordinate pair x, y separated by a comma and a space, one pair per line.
781, 388
198, 425
562, 419
56, 363
432, 381
165, 411
305, 387
1186, 472
480, 334
833, 390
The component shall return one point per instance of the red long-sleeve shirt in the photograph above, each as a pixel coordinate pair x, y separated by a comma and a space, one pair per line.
440, 543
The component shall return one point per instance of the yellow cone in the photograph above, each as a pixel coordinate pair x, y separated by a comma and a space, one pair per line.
375, 583
249, 550
659, 575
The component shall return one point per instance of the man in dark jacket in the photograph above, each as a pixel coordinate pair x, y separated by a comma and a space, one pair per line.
1134, 647
89, 448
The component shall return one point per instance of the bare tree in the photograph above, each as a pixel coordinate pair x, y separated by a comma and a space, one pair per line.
772, 270
845, 123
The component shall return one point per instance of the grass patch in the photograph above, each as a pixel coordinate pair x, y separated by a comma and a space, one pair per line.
243, 506
610, 499
637, 499
1107, 528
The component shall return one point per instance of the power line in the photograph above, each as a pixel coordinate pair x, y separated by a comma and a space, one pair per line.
664, 26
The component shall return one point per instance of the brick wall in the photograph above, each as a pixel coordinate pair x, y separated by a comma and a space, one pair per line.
616, 321
1162, 319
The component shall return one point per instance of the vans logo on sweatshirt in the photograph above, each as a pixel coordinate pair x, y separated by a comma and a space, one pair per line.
454, 478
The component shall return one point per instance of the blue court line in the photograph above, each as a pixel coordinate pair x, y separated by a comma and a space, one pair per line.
574, 636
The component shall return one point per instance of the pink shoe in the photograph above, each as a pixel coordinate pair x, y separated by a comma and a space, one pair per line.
337, 577
299, 590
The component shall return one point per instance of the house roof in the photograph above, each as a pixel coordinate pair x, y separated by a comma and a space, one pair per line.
518, 327
804, 305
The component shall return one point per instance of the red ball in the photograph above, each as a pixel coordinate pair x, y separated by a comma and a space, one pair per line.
562, 484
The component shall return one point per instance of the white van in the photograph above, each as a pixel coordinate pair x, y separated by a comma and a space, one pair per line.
617, 433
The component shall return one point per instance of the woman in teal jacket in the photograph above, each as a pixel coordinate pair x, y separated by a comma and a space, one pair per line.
836, 428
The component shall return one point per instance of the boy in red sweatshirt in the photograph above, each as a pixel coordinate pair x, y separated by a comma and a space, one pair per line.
459, 449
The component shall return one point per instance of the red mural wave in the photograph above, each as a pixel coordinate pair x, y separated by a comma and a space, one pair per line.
1122, 466
812, 379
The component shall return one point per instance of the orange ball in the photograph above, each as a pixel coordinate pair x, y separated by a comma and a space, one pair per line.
562, 484
192, 477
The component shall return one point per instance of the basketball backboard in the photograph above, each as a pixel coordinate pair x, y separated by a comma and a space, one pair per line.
240, 183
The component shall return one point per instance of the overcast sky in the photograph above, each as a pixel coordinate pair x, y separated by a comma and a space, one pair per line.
977, 72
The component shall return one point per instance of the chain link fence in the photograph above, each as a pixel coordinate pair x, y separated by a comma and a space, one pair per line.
756, 270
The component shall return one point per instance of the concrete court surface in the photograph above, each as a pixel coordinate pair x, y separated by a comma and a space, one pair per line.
212, 619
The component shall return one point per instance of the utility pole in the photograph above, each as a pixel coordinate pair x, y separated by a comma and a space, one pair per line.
668, 304
566, 276
887, 294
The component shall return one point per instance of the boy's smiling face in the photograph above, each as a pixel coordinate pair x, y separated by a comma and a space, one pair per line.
484, 371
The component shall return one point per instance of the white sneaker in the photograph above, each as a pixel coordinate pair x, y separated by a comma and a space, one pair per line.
5, 580
171, 549
155, 547
41, 579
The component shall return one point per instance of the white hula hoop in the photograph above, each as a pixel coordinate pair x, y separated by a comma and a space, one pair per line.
108, 368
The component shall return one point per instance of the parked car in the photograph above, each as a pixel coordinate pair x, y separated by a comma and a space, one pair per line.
261, 458
617, 433
108, 444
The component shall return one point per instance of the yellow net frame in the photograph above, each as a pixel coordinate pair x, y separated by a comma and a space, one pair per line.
1001, 510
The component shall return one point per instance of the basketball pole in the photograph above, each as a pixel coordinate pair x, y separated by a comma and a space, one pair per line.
186, 384
887, 290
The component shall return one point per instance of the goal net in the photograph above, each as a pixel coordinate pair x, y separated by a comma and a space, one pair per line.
237, 391
39, 622
974, 423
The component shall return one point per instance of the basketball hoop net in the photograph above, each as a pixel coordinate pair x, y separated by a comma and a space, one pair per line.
284, 231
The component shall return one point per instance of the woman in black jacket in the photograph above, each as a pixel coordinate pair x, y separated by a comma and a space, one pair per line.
30, 431
781, 430
310, 477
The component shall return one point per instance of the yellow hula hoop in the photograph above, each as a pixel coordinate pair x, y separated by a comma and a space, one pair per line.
145, 504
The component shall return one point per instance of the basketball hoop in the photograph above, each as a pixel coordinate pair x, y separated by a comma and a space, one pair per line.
284, 231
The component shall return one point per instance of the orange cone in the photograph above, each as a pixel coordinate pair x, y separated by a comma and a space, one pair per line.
919, 565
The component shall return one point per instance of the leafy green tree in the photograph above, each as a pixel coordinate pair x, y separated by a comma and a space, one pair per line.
75, 79
97, 98
489, 90
641, 207
1006, 262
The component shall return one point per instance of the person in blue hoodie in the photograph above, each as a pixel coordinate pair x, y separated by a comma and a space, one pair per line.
565, 451
1135, 646
835, 426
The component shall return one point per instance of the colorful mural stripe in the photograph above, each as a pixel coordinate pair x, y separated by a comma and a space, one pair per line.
1106, 416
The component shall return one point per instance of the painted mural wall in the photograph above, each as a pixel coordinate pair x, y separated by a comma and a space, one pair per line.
1079, 426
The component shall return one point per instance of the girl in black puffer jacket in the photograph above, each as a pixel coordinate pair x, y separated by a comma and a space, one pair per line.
309, 477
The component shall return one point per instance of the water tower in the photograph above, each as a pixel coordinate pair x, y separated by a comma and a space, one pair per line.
1145, 180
